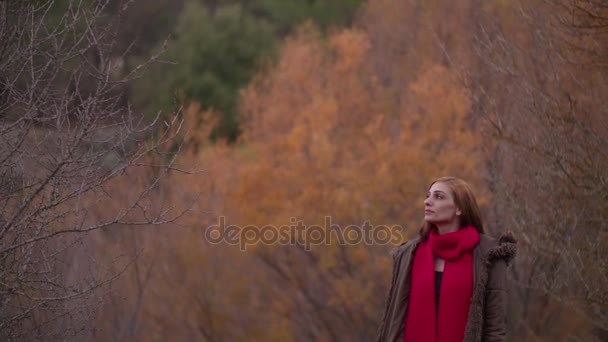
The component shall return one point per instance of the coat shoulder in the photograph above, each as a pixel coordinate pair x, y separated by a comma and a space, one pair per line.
503, 248
405, 246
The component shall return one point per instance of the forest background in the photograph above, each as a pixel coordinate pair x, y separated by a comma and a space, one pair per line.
130, 127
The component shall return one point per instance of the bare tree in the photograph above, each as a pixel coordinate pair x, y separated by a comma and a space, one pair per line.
66, 134
542, 89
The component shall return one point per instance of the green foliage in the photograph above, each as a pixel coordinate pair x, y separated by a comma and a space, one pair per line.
286, 14
218, 54
217, 47
214, 56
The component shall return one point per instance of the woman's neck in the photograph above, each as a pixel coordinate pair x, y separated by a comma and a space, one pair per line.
447, 227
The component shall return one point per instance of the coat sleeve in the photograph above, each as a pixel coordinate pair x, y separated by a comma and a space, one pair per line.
495, 326
382, 328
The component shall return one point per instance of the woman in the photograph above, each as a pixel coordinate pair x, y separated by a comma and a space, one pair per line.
449, 284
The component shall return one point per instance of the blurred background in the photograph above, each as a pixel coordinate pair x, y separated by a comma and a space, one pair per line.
277, 109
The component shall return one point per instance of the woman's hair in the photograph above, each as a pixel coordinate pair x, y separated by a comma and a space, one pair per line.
464, 200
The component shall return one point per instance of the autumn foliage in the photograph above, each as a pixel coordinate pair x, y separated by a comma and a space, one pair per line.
322, 137
354, 125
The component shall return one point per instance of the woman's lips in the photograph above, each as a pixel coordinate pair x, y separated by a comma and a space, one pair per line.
428, 211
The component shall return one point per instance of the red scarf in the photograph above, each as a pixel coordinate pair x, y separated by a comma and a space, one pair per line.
423, 324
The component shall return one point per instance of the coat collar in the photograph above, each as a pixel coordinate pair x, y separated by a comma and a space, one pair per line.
488, 248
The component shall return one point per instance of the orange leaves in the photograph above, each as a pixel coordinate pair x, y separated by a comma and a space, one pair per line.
340, 142
323, 135
353, 126
330, 139
438, 94
438, 113
349, 49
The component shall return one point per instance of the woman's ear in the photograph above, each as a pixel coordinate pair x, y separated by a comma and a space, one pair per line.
458, 213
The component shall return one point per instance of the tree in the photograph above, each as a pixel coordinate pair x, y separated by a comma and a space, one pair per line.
217, 47
354, 124
331, 140
540, 86
322, 137
65, 136
215, 54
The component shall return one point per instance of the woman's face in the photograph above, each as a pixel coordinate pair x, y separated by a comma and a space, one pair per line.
439, 206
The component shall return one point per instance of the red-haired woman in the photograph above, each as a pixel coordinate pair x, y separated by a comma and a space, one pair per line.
449, 284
